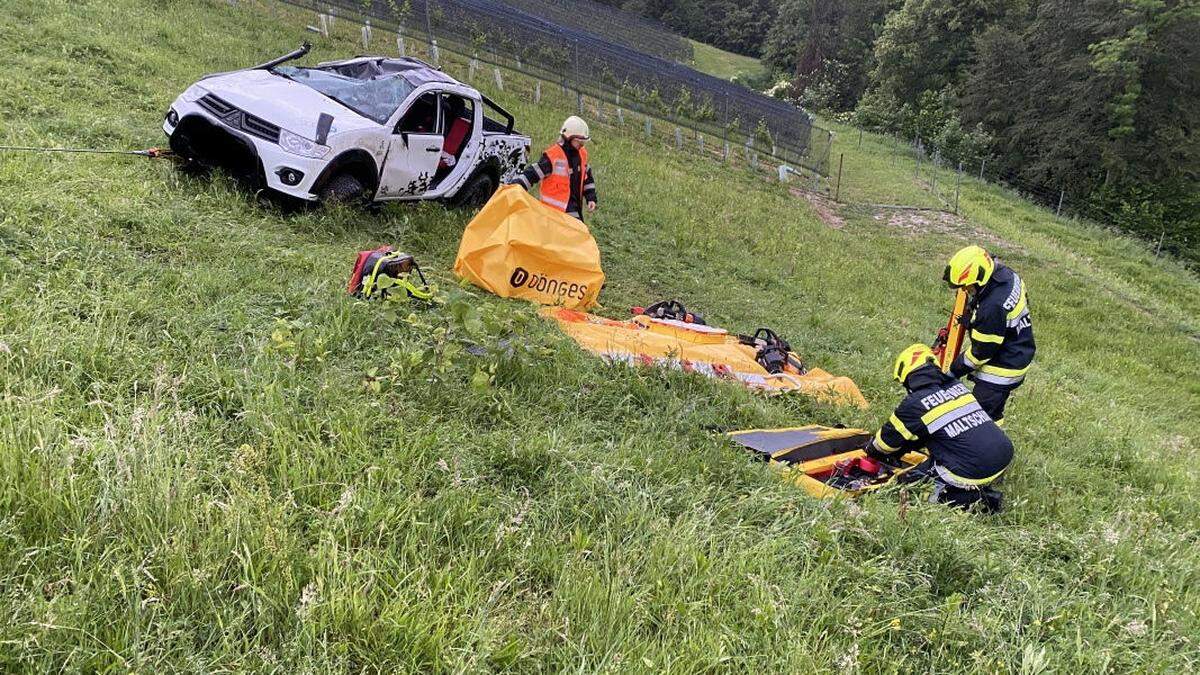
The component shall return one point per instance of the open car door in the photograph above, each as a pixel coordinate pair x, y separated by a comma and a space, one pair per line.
413, 151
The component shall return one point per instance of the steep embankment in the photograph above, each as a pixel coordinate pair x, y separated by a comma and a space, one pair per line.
211, 458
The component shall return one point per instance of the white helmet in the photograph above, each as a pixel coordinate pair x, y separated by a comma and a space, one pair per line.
575, 127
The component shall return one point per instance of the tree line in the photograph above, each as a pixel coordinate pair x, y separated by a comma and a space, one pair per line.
734, 25
1097, 98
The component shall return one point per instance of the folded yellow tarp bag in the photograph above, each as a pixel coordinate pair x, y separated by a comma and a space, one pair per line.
516, 247
707, 350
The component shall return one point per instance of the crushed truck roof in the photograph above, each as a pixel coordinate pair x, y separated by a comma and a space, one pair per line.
415, 71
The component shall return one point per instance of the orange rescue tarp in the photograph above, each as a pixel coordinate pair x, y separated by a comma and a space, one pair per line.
703, 349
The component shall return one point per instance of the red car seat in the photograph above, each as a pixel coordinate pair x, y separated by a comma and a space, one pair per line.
455, 137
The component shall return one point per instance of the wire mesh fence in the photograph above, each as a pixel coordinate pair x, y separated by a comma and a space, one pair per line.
929, 179
623, 28
916, 175
498, 77
727, 116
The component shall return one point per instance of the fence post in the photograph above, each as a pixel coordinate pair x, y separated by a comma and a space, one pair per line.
434, 56
1061, 193
471, 65
678, 139
429, 26
577, 78
860, 138
828, 151
323, 24
837, 193
400, 45
957, 187
366, 35
648, 128
933, 166
700, 142
725, 132
981, 165
537, 92
499, 80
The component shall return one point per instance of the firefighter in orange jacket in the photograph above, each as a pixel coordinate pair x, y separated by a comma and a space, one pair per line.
563, 171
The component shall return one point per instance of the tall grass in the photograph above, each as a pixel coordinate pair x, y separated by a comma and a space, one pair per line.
211, 459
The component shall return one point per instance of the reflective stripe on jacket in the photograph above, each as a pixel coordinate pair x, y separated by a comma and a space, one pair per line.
577, 198
941, 415
1002, 345
556, 185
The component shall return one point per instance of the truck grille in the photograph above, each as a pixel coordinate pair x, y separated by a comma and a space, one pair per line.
235, 117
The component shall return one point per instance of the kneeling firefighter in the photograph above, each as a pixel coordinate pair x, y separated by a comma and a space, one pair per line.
967, 450
566, 178
1000, 326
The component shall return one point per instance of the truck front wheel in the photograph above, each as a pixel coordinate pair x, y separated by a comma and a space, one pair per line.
344, 188
477, 190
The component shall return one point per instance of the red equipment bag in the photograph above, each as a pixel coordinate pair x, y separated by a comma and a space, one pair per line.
371, 266
354, 287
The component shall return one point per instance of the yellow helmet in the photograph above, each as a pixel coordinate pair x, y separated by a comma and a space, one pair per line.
910, 359
971, 265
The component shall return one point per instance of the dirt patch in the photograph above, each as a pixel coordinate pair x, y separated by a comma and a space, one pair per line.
825, 208
929, 221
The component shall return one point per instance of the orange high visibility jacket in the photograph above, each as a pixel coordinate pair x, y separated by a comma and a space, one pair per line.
556, 186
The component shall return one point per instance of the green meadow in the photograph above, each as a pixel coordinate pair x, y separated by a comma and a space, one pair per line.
212, 459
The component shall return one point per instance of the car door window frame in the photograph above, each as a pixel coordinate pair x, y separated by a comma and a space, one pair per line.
435, 95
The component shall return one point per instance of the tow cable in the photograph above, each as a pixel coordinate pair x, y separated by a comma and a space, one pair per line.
151, 153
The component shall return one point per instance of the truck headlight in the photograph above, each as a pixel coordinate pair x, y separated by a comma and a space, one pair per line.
299, 145
193, 93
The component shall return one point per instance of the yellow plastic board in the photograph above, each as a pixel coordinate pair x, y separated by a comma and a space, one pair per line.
956, 331
806, 455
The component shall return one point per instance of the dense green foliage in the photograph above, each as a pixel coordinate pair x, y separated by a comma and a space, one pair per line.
213, 460
1099, 98
739, 26
827, 48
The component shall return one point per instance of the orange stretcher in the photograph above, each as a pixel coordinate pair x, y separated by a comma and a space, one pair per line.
698, 348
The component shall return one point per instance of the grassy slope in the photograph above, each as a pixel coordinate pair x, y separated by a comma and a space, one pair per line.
720, 63
180, 490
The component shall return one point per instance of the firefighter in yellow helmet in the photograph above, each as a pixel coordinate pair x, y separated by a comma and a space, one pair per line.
999, 325
967, 450
566, 178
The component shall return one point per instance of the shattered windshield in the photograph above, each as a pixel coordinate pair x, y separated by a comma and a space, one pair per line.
375, 99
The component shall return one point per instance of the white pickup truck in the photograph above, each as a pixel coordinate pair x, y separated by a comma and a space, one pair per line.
364, 129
